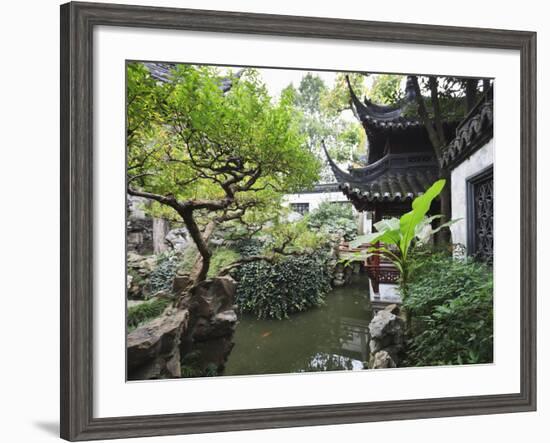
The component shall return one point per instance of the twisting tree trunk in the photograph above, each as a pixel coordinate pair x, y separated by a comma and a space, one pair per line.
471, 88
238, 182
438, 118
425, 117
186, 212
436, 134
202, 265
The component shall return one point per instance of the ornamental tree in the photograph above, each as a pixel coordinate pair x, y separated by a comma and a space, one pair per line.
207, 154
449, 96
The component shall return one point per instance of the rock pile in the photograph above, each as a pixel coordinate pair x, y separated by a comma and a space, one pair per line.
137, 278
153, 349
386, 331
211, 304
201, 325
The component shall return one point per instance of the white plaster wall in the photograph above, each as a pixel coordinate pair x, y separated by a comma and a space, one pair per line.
315, 198
480, 160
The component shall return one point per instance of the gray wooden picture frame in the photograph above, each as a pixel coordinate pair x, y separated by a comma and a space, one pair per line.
77, 23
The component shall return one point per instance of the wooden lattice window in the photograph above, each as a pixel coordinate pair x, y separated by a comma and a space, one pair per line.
480, 200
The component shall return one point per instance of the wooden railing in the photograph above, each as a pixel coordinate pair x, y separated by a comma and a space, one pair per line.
379, 269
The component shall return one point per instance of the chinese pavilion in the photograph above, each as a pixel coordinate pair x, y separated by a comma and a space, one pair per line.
401, 162
401, 165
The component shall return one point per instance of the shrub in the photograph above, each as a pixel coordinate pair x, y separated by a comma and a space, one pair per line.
334, 218
249, 246
451, 306
145, 311
220, 259
190, 255
162, 276
276, 290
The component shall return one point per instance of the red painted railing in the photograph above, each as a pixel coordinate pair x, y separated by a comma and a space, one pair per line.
379, 269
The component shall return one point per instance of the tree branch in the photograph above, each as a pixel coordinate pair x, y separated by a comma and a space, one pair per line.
424, 116
168, 200
245, 260
437, 110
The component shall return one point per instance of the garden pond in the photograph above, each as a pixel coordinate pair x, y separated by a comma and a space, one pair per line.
331, 337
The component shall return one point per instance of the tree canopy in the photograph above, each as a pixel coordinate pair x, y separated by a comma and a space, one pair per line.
198, 151
319, 122
188, 137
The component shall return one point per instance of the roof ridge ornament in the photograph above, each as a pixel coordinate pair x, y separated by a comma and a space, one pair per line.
370, 112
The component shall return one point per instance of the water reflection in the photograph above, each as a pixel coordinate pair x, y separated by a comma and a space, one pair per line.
332, 337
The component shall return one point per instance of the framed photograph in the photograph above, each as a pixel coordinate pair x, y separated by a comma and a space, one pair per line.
273, 221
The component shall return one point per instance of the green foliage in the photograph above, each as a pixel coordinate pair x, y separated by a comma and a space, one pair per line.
334, 218
249, 246
309, 93
145, 311
185, 134
294, 237
211, 370
451, 93
318, 121
290, 285
190, 371
221, 258
162, 276
386, 89
190, 256
191, 364
451, 305
337, 99
397, 235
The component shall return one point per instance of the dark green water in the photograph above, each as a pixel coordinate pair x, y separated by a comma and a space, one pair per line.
332, 337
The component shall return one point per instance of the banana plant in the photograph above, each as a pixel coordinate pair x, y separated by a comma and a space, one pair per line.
397, 236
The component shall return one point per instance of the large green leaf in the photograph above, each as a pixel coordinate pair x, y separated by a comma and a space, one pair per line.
423, 230
389, 224
392, 236
390, 228
367, 238
389, 236
445, 225
420, 207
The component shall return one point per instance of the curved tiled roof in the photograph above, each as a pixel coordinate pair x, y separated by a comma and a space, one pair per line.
475, 130
392, 186
382, 116
393, 178
162, 72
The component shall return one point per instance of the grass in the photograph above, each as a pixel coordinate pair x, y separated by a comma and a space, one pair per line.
145, 311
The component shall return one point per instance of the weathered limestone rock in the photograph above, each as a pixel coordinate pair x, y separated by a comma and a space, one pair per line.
201, 326
213, 322
177, 239
386, 331
137, 278
139, 226
181, 283
393, 308
153, 348
341, 275
220, 325
160, 230
381, 360
213, 296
